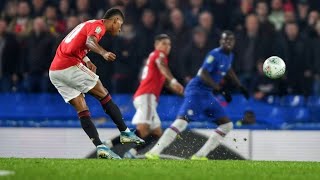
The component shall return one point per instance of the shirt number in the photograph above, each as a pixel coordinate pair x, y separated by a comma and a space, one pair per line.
75, 31
145, 69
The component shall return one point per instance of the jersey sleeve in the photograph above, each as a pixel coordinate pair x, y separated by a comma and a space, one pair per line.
160, 57
95, 30
209, 62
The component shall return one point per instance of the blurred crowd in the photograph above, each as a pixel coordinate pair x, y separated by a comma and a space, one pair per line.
31, 30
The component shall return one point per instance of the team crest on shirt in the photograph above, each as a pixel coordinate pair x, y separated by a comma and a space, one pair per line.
210, 59
190, 112
161, 55
98, 30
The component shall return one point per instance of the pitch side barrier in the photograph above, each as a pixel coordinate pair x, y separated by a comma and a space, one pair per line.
240, 144
49, 110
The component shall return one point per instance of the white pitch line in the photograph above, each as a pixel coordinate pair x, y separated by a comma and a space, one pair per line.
6, 173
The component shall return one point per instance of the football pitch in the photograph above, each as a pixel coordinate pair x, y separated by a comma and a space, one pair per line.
93, 169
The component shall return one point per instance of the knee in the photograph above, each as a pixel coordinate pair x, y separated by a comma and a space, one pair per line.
224, 129
179, 125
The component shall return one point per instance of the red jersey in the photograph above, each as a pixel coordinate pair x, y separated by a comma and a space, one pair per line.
73, 47
152, 80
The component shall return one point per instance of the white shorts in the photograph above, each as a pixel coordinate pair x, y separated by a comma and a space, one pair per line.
73, 81
146, 111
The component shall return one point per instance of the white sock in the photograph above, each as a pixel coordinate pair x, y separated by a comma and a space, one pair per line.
166, 139
101, 145
127, 130
210, 145
214, 139
169, 135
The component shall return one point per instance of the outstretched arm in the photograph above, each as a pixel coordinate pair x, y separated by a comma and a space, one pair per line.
173, 83
92, 44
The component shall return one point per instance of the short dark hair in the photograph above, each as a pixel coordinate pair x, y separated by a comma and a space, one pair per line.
160, 37
113, 12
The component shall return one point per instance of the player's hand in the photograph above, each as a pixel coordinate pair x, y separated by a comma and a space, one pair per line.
176, 86
109, 56
91, 66
245, 92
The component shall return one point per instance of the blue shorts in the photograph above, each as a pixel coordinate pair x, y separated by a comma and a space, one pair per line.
201, 107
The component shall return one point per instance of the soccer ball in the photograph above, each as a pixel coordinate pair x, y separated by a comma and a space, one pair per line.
274, 67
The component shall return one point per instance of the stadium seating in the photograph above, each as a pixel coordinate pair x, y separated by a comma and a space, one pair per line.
293, 101
313, 103
49, 110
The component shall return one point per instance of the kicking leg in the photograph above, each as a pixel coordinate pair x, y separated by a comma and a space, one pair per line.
155, 135
80, 105
225, 126
169, 135
99, 92
102, 94
87, 125
143, 130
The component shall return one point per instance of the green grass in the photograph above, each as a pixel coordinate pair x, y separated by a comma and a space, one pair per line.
93, 169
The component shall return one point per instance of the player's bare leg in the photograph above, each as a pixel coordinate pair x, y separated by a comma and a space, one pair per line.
110, 108
143, 130
169, 135
157, 132
81, 107
225, 126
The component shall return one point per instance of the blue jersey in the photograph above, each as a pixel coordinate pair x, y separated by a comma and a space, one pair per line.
217, 63
199, 103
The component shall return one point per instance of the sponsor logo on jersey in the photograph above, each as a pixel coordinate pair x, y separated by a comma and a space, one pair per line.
210, 59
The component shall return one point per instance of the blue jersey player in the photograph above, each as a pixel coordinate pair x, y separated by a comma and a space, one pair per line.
200, 101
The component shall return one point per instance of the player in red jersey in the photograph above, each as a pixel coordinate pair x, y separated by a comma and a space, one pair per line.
73, 74
155, 75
